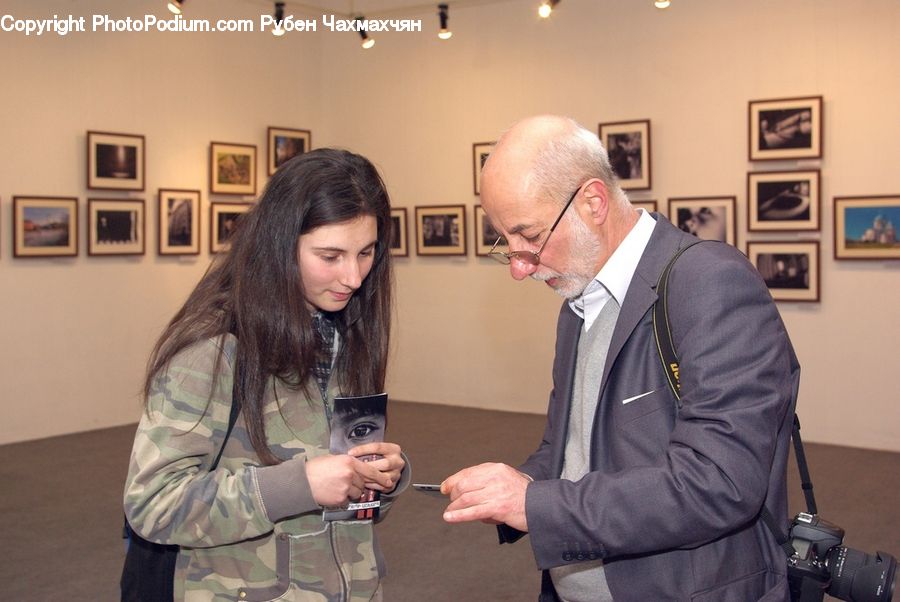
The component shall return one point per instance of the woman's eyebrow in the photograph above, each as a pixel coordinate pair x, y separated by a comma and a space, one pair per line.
341, 249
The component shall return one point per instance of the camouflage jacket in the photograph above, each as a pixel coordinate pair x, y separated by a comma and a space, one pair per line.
247, 532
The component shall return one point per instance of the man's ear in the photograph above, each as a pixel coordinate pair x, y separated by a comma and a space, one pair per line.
597, 200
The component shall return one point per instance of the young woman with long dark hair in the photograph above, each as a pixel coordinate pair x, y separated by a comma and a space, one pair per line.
296, 312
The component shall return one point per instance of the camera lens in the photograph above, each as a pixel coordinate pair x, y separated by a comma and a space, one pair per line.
861, 577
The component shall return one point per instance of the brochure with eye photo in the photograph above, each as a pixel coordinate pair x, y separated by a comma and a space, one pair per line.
355, 421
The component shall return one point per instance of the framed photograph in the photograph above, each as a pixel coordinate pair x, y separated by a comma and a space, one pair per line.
480, 152
486, 235
285, 143
785, 128
232, 168
790, 269
179, 222
115, 161
783, 200
116, 227
45, 226
223, 219
707, 217
865, 227
628, 146
441, 230
399, 229
648, 206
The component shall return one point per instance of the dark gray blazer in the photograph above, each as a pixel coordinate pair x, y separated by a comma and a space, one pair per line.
673, 497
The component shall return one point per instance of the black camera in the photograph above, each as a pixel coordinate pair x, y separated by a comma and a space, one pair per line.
820, 565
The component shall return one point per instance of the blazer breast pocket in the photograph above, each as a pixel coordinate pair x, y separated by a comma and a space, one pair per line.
641, 404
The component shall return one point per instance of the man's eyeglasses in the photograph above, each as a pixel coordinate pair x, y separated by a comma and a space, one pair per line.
529, 257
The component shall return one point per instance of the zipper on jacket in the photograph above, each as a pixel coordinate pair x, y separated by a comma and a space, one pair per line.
345, 586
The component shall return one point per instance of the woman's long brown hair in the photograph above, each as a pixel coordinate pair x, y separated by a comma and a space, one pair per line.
255, 292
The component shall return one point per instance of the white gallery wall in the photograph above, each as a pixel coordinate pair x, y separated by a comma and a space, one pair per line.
75, 333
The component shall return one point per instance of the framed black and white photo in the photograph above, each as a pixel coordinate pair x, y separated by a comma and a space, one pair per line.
223, 219
115, 161
179, 222
783, 200
45, 226
441, 230
486, 235
116, 227
710, 218
480, 153
285, 143
232, 168
628, 146
648, 206
865, 227
790, 269
399, 229
785, 128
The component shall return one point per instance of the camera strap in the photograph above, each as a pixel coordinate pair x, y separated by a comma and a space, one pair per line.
666, 348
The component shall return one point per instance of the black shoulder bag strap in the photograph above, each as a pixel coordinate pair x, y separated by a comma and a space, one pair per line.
148, 573
669, 359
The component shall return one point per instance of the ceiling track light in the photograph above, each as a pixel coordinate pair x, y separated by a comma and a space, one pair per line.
662, 3
175, 6
546, 8
367, 42
443, 13
279, 19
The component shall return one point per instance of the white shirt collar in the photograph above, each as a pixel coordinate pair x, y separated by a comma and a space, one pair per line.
615, 276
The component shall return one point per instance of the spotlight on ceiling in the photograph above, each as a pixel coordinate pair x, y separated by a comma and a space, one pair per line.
175, 6
547, 7
444, 33
279, 18
367, 42
662, 3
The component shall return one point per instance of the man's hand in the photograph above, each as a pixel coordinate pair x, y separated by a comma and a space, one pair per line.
491, 493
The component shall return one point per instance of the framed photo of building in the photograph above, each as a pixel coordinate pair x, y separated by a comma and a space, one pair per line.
116, 227
441, 230
865, 227
285, 143
179, 222
486, 235
648, 206
783, 200
710, 218
45, 226
785, 128
628, 146
232, 168
399, 229
223, 219
790, 269
115, 161
480, 153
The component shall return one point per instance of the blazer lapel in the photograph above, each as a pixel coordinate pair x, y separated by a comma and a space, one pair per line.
569, 331
641, 295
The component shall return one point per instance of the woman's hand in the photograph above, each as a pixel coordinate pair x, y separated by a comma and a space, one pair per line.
389, 463
335, 480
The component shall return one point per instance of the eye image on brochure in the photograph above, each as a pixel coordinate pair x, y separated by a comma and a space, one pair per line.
354, 421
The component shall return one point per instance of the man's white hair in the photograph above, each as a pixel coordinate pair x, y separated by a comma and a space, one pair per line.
569, 160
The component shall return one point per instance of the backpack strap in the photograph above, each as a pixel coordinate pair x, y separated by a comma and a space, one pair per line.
232, 418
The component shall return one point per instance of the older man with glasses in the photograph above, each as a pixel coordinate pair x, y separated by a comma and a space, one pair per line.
636, 492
